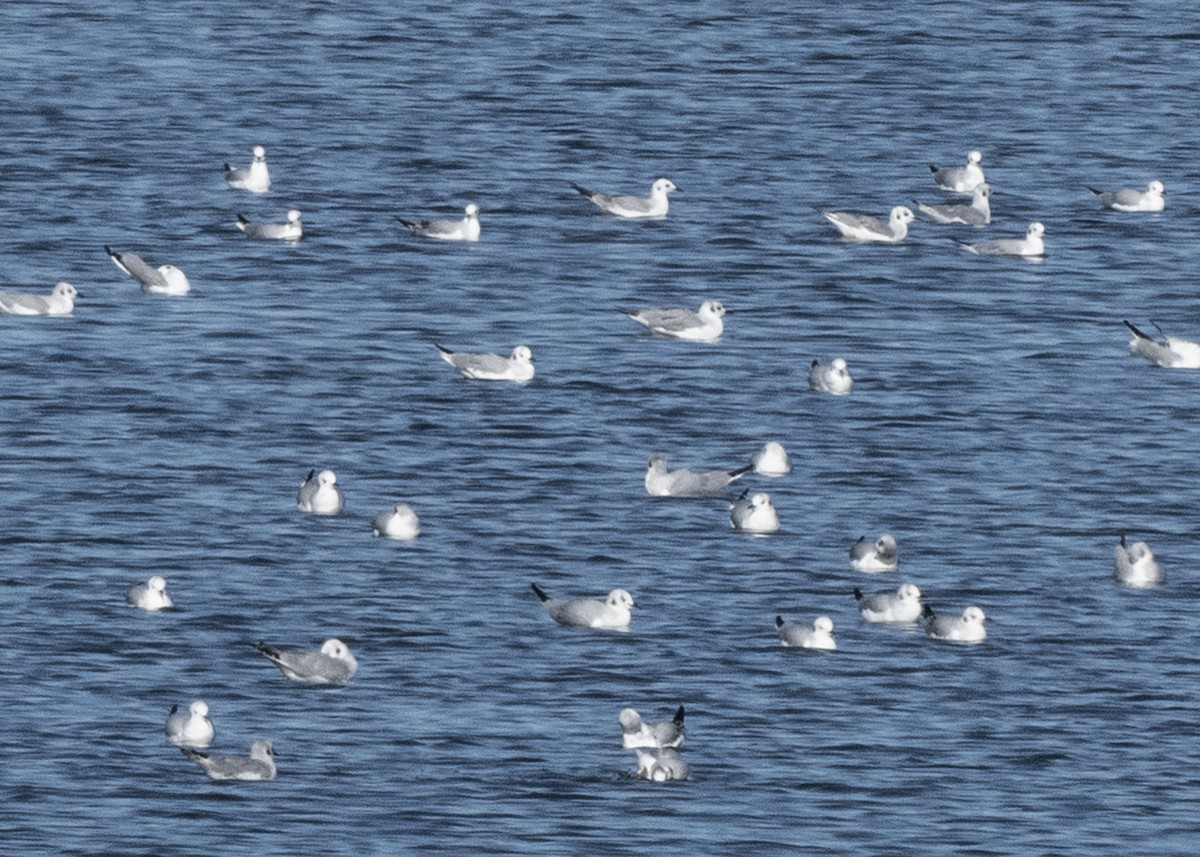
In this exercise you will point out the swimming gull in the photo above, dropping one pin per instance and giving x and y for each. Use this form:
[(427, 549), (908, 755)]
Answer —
[(833, 377), (661, 482), (967, 628), (492, 367), (771, 460), (256, 178), (653, 207), (60, 301), (874, 557), (1032, 245), (636, 732), (1170, 353), (864, 227), (755, 514), (1132, 199), (962, 179), (1136, 567), (190, 729), (899, 607), (612, 614), (319, 494), (817, 636), (466, 229), (163, 280), (661, 765), (399, 522), (704, 325), (260, 765), (977, 213), (150, 596), (292, 230), (333, 664)]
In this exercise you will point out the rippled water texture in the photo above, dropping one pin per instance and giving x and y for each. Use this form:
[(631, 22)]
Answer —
[(998, 426)]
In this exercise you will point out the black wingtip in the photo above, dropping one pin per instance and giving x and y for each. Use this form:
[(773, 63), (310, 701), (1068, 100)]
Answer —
[(311, 474), (537, 590), (678, 718), (1097, 192), (926, 611), (1122, 545), (581, 189), (858, 596), (933, 168), (778, 621), (241, 218), (739, 471), (111, 252), (1139, 334)]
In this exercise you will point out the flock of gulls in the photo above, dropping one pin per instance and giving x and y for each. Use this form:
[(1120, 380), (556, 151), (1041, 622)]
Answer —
[(656, 744)]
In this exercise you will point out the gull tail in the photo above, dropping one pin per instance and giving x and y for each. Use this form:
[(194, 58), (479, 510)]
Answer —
[(537, 590)]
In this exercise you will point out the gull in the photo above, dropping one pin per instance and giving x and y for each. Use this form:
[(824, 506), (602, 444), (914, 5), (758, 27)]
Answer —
[(772, 460), (661, 765), (192, 729), (833, 377), (819, 636), (653, 207), (704, 325), (399, 522), (1171, 353), (333, 664), (1031, 245), (754, 515), (636, 732), (492, 367), (880, 556), (255, 178), (150, 596), (967, 628), (978, 213), (290, 231), (258, 767), (960, 179), (319, 494), (899, 607), (612, 614), (1132, 199), (1135, 566), (864, 227), (466, 229), (661, 482), (163, 280), (60, 301)]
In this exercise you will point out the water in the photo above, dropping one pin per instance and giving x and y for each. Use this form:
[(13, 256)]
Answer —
[(998, 427)]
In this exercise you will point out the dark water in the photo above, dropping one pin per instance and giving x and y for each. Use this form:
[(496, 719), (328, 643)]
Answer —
[(998, 426)]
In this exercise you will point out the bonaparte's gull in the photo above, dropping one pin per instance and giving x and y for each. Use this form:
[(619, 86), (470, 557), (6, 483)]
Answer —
[(1132, 199), (293, 230), (636, 732), (899, 607), (978, 213), (704, 325), (612, 614), (1033, 244), (880, 555), (833, 377), (661, 765), (818, 636), (967, 628), (1135, 566), (60, 301), (163, 280), (399, 522), (190, 729), (653, 207), (258, 767), (661, 482), (864, 227), (772, 460), (333, 664), (754, 514), (1170, 353), (319, 494), (256, 178), (466, 229), (962, 179), (492, 367), (150, 596)]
